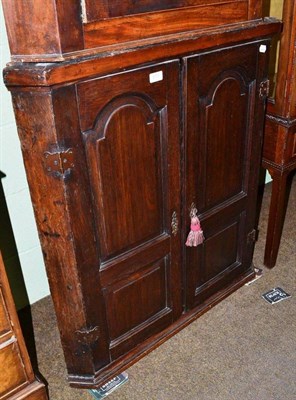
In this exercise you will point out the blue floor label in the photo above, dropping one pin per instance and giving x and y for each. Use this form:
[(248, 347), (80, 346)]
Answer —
[(110, 386), (275, 295)]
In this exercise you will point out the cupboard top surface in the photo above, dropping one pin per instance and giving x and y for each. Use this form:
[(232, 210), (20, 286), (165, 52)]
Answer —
[(118, 58)]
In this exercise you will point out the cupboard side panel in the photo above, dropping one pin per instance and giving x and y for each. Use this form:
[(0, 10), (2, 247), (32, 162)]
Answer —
[(81, 220), (37, 131)]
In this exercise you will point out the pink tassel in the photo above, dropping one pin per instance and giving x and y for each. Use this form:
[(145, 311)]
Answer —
[(195, 236)]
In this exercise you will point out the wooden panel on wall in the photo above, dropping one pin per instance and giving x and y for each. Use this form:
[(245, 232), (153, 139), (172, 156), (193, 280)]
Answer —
[(118, 30), (101, 10)]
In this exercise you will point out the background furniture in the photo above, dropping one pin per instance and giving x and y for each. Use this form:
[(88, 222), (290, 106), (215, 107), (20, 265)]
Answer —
[(51, 30), (143, 113), (17, 379), (279, 150)]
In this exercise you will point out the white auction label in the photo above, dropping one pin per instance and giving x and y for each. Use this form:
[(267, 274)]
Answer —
[(156, 76), (262, 48)]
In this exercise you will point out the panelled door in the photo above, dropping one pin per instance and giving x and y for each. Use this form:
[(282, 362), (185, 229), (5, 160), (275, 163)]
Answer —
[(220, 142), (130, 128)]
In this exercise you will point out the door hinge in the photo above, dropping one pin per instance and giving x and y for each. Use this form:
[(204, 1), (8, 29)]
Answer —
[(264, 89), (251, 238), (59, 163), (87, 339), (88, 335)]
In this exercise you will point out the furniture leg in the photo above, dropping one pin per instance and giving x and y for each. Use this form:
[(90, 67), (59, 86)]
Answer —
[(276, 216)]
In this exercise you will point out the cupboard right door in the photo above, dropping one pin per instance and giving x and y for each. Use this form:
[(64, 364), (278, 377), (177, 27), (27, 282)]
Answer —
[(222, 150)]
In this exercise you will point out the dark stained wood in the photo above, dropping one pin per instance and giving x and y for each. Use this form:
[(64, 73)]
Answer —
[(279, 156), (81, 239), (276, 219), (127, 131), (39, 135), (105, 148), (118, 30), (17, 379), (109, 9), (255, 9), (46, 28), (220, 145)]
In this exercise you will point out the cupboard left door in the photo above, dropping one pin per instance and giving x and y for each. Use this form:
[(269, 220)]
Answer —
[(130, 131), (102, 158)]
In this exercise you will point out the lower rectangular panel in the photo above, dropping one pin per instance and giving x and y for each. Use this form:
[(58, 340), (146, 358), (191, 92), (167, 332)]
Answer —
[(154, 325), (220, 252), (137, 307), (214, 264), (235, 271)]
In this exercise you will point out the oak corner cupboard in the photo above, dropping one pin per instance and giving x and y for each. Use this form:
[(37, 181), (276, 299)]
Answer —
[(135, 120)]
